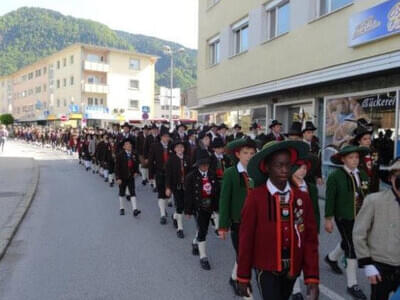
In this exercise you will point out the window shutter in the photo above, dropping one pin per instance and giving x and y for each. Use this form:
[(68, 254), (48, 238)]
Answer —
[(313, 10)]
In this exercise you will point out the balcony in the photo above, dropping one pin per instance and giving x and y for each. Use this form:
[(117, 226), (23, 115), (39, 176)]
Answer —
[(95, 88), (96, 66)]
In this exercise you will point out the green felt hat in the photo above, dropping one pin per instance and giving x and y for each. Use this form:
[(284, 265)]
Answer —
[(337, 158), (245, 141), (256, 167)]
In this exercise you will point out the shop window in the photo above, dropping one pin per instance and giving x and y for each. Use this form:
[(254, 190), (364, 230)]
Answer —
[(90, 101), (96, 101), (240, 36), (341, 118)]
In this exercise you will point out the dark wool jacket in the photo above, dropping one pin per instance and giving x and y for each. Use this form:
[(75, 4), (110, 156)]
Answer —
[(121, 166), (194, 188)]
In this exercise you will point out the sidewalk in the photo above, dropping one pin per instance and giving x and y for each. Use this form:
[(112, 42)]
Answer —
[(18, 182)]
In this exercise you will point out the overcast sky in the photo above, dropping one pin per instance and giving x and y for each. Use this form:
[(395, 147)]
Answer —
[(174, 20)]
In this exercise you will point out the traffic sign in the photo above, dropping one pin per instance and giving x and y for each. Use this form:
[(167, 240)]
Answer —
[(145, 116), (145, 109)]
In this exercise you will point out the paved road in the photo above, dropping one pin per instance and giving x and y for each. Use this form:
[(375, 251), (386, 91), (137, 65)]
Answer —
[(74, 245)]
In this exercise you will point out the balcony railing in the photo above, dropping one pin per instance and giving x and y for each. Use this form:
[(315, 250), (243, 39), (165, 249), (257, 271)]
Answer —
[(95, 66), (95, 88)]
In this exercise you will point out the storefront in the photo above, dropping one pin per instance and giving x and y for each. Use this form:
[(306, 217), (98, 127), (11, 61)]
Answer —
[(380, 107)]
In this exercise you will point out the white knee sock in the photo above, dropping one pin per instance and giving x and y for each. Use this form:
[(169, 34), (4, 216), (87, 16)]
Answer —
[(134, 204), (101, 171), (145, 173), (127, 193), (169, 201), (86, 164), (162, 206), (296, 288), (195, 239), (110, 177), (106, 174), (202, 249), (216, 220), (179, 219), (351, 272), (336, 253), (234, 271), (121, 203)]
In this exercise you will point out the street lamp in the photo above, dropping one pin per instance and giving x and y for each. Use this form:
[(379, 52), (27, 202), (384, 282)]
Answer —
[(170, 52)]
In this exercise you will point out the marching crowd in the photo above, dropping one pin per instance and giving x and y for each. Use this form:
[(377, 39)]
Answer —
[(262, 190)]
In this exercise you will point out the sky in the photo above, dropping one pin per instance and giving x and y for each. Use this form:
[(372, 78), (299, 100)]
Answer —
[(173, 20)]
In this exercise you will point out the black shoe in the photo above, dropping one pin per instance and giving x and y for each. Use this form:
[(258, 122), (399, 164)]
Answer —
[(174, 222), (356, 292), (87, 169), (169, 204), (136, 212), (111, 183), (297, 296), (163, 220), (122, 212), (334, 265), (155, 190), (144, 182), (205, 264), (180, 234), (105, 180), (195, 249), (128, 198), (152, 185), (233, 284), (216, 232)]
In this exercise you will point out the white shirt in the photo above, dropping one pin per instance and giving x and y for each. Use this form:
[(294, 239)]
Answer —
[(219, 156), (303, 187), (204, 174), (355, 172), (241, 168), (273, 189)]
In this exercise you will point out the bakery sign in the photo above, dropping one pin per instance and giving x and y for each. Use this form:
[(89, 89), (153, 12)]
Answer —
[(385, 103), (375, 23)]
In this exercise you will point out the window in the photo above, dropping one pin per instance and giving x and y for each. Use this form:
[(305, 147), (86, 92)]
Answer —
[(71, 80), (30, 92), (134, 84), (58, 102), (214, 51), (58, 83), (328, 6), (92, 79), (65, 82), (64, 62), (134, 64), (58, 64), (71, 60), (101, 101), (93, 58), (30, 76), (44, 70), (240, 36), (134, 104), (96, 101), (65, 102), (278, 14), (90, 101), (38, 89), (38, 73), (44, 87)]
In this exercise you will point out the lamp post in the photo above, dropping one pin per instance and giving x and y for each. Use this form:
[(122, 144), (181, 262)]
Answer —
[(170, 52)]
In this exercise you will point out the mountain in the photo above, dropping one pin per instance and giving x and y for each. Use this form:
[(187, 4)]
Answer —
[(28, 34)]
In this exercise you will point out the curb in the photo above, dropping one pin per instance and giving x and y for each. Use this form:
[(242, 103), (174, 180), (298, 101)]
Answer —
[(10, 229)]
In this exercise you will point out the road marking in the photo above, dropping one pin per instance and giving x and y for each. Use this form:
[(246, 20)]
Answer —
[(329, 293)]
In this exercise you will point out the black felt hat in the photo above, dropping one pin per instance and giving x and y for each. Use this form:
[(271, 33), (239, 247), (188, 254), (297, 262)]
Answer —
[(274, 123), (203, 157), (217, 143)]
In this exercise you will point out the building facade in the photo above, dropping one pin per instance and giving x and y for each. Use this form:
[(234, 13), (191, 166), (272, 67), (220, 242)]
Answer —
[(162, 103), (81, 85), (327, 61)]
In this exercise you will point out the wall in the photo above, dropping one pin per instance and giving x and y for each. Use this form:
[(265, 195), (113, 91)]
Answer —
[(118, 80), (310, 45)]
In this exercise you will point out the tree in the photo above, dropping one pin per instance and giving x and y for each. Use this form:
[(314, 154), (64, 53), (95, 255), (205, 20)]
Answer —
[(6, 119)]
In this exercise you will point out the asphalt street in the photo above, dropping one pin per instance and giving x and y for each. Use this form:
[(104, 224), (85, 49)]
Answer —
[(74, 245)]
